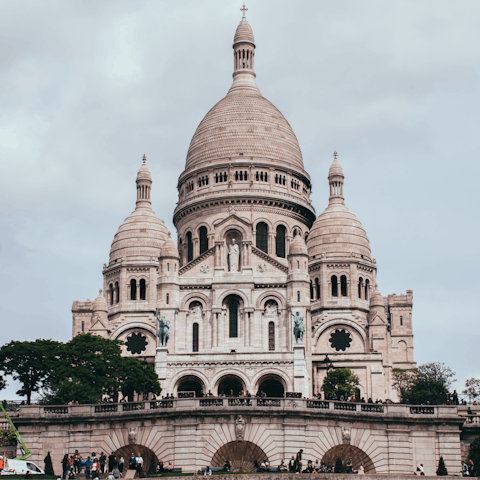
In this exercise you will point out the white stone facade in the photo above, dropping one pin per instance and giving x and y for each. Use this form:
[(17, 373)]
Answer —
[(230, 307)]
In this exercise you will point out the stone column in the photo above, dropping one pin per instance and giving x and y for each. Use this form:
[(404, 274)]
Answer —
[(300, 380), (271, 244), (161, 365)]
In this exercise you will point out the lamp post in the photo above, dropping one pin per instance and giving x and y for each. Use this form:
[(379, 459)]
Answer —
[(328, 366), (145, 365)]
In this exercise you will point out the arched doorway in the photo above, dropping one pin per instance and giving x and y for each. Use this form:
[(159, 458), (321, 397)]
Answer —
[(230, 383), (347, 452), (150, 460), (272, 386), (191, 383), (242, 455)]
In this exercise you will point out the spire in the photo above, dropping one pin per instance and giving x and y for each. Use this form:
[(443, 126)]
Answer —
[(244, 55), (144, 184), (335, 179)]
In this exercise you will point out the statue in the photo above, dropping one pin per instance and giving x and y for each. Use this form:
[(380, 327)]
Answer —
[(271, 309), (239, 428), (163, 330), (132, 436), (299, 328), (233, 256), (346, 436)]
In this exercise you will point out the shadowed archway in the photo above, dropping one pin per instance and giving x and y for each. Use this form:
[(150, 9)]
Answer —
[(242, 455), (347, 452), (150, 460)]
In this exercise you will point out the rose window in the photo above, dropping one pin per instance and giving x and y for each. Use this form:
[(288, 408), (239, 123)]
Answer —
[(136, 343), (340, 340)]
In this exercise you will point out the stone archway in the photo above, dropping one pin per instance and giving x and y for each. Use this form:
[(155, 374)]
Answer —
[(230, 383), (242, 455), (272, 385), (150, 460), (191, 383), (347, 452)]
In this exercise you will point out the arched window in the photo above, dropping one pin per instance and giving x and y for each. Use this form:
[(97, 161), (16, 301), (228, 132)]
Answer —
[(111, 293), (133, 289), (334, 286), (262, 237), (298, 296), (143, 289), (117, 292), (83, 326), (343, 285), (280, 242), (233, 319), (189, 247), (202, 233), (317, 288), (271, 336), (295, 233), (311, 290), (360, 284), (168, 299), (367, 284), (195, 337), (401, 321)]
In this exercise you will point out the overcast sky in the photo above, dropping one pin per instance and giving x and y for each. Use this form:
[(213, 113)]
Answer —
[(87, 87)]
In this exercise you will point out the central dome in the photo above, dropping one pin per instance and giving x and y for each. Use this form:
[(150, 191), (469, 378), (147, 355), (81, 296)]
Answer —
[(244, 123)]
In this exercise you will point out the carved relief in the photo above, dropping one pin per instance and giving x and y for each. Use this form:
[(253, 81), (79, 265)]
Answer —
[(132, 436), (239, 428), (204, 269), (271, 309), (262, 267), (346, 436)]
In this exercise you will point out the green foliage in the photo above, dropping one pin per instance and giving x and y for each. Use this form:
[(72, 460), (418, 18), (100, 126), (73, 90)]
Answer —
[(474, 453), (31, 363), (341, 381), (6, 436), (48, 465), (442, 469), (472, 388), (339, 467), (429, 383), (92, 366), (3, 383)]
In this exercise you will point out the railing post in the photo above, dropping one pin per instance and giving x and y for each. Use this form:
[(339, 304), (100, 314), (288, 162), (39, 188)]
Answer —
[(331, 405)]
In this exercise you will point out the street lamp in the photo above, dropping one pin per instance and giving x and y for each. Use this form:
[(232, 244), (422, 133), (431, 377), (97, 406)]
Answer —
[(145, 365), (328, 366)]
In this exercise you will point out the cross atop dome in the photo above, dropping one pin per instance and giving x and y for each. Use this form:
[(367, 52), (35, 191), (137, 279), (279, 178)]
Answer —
[(144, 158), (335, 154), (243, 10)]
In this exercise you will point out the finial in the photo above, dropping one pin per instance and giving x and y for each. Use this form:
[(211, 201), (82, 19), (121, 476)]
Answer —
[(144, 158), (169, 234), (100, 292), (335, 154), (243, 9)]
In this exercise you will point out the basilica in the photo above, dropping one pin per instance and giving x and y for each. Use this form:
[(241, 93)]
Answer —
[(251, 261)]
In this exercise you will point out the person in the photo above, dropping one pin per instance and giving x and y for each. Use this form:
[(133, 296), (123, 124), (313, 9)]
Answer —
[(131, 462), (349, 466), (94, 468), (291, 465), (116, 473), (110, 476), (102, 460), (168, 467), (139, 462), (420, 470), (298, 461), (282, 467), (471, 468), (160, 467), (309, 468), (76, 461), (208, 470), (316, 465), (227, 467), (465, 472), (88, 464), (361, 470), (112, 460), (121, 463), (2, 465), (65, 466)]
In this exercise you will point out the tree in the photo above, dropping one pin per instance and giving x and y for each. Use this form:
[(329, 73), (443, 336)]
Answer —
[(340, 381), (442, 469), (92, 366), (30, 363), (3, 383), (473, 388), (429, 383), (7, 436)]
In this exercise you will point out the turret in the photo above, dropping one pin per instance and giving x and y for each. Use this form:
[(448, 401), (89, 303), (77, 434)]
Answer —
[(99, 322)]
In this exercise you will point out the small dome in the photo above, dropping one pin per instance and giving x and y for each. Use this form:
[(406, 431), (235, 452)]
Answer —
[(144, 172), (338, 233), (100, 304), (244, 33), (169, 248), (376, 300), (140, 237), (298, 247), (335, 169)]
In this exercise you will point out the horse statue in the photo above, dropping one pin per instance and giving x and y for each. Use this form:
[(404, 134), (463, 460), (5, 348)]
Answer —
[(163, 330), (299, 328)]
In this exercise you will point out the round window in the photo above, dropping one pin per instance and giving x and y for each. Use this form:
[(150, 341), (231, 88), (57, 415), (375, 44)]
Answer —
[(136, 343), (340, 340)]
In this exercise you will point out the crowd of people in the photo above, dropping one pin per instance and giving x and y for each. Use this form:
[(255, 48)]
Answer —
[(95, 465)]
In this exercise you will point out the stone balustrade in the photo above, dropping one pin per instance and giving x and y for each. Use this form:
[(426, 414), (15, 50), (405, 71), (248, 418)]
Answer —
[(208, 404)]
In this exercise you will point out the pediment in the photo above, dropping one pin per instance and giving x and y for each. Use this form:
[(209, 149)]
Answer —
[(378, 321), (97, 324), (230, 218)]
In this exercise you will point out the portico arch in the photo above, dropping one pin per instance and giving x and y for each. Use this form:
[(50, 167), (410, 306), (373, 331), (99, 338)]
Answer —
[(272, 385), (347, 452), (242, 455), (190, 383), (150, 460), (230, 382)]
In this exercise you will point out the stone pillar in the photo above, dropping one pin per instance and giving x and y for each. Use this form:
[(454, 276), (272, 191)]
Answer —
[(271, 244), (300, 374), (196, 247), (161, 366)]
